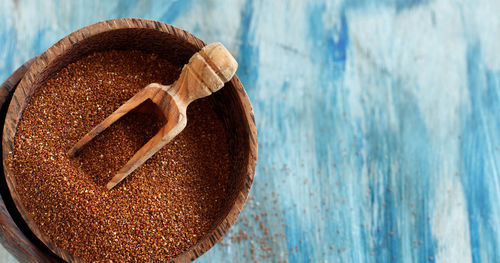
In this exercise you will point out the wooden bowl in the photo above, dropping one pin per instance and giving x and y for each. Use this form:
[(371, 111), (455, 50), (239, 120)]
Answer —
[(177, 46)]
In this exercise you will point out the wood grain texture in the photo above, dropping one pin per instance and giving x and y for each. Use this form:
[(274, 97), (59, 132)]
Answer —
[(378, 120)]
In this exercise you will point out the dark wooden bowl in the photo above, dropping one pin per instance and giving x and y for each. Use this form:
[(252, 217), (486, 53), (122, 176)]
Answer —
[(177, 46)]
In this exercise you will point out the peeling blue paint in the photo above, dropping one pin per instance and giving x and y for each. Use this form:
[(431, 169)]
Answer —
[(376, 144)]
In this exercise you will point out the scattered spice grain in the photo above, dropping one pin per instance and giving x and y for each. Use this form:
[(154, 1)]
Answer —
[(156, 213)]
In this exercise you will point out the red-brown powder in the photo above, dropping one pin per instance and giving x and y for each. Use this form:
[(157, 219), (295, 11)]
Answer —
[(161, 209)]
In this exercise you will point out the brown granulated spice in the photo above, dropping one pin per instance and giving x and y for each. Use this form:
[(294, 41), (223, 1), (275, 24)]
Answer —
[(157, 212)]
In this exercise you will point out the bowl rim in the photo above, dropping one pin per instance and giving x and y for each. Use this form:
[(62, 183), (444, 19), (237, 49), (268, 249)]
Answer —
[(21, 98)]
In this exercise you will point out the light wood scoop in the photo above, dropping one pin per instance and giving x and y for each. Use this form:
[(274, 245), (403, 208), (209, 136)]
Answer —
[(205, 73)]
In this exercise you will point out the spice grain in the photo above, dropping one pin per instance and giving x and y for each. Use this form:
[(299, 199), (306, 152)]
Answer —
[(156, 213)]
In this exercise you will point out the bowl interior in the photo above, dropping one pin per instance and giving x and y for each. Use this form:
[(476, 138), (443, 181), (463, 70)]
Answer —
[(177, 47)]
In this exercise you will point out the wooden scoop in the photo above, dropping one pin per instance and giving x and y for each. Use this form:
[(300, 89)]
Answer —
[(205, 73)]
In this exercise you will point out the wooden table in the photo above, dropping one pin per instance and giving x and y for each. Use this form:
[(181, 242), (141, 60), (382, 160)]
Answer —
[(378, 139)]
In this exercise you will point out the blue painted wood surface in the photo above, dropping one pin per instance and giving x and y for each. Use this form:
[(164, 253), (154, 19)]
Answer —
[(378, 120)]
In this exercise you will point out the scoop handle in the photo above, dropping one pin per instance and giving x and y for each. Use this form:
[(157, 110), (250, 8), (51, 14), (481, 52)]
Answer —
[(205, 73)]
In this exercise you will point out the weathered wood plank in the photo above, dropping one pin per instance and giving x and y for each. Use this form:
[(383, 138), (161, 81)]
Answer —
[(377, 120)]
